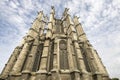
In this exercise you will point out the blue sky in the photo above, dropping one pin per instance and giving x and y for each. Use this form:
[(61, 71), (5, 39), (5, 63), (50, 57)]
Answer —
[(100, 20)]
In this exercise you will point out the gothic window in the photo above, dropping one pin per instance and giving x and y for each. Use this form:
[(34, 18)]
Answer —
[(63, 55), (85, 59), (59, 27), (37, 58), (74, 56), (51, 55), (25, 62)]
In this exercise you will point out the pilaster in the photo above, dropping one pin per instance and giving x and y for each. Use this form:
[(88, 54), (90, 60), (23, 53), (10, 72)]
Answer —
[(21, 58), (37, 24), (10, 63), (55, 71), (42, 72), (80, 32), (30, 60), (70, 54)]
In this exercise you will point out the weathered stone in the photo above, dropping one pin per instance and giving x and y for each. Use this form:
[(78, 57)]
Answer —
[(57, 49)]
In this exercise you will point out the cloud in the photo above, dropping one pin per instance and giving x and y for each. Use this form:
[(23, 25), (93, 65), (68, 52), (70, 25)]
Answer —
[(99, 18)]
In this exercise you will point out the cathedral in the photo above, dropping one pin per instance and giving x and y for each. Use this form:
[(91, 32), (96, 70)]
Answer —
[(55, 49)]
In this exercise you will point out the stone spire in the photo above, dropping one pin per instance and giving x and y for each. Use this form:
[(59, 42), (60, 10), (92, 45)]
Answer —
[(55, 49)]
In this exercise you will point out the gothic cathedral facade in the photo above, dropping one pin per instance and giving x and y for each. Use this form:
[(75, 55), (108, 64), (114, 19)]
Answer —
[(55, 49)]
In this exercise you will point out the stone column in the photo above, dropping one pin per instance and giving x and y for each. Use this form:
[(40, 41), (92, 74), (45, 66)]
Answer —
[(34, 30), (48, 37), (50, 24), (73, 64), (82, 37), (80, 64), (98, 62), (55, 61), (90, 57), (80, 32), (55, 71), (10, 63), (42, 27), (43, 63), (72, 34), (70, 54), (20, 60), (44, 58), (97, 75), (30, 60), (101, 67), (39, 27)]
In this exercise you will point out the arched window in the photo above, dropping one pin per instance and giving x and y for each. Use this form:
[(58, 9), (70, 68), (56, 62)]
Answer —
[(63, 55), (37, 58), (59, 27), (85, 59)]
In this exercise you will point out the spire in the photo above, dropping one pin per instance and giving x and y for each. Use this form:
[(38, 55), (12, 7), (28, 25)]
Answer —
[(52, 9), (80, 32), (34, 30), (40, 14), (52, 13), (65, 11), (50, 23)]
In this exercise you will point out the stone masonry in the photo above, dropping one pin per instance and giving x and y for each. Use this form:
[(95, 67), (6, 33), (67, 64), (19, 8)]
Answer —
[(55, 49)]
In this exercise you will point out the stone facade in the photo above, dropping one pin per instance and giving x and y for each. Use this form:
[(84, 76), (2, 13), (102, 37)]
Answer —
[(55, 49)]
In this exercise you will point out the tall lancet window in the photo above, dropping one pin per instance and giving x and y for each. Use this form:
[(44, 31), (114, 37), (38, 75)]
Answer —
[(63, 55), (37, 58), (59, 26)]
